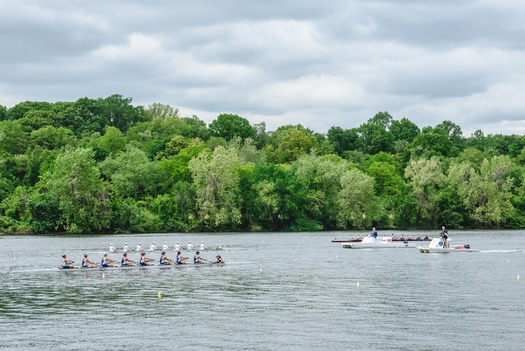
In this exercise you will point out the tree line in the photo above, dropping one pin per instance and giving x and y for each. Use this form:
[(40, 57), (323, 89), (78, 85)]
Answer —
[(105, 165)]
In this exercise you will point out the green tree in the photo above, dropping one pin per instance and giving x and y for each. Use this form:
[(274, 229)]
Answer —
[(357, 205), (216, 185), (229, 126), (74, 184), (288, 143)]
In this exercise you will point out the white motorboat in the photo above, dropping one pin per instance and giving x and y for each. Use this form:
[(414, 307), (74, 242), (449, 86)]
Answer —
[(437, 246), (384, 242)]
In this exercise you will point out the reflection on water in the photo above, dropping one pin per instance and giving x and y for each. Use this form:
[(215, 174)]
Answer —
[(277, 292)]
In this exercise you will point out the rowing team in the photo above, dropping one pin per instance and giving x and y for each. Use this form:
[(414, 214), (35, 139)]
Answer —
[(165, 247), (143, 261)]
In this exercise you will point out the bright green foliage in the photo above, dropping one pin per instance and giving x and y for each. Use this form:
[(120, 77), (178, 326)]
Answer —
[(229, 126), (425, 179), (132, 174), (52, 138), (74, 184), (287, 144), (217, 188), (13, 139), (357, 205), (487, 192)]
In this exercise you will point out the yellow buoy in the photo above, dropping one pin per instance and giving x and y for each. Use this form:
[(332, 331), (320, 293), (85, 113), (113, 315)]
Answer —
[(159, 294), (260, 269), (358, 284), (518, 277)]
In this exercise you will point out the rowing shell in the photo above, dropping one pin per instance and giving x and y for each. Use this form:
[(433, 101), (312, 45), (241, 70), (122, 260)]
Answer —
[(123, 268)]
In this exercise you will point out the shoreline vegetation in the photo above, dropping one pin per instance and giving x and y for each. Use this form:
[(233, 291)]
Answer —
[(107, 166)]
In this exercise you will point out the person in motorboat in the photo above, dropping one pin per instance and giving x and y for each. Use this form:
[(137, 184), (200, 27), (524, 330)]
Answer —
[(165, 247), (125, 248), (444, 237), (67, 263), (203, 246), (164, 260), (197, 259), (178, 247), (190, 246), (374, 233), (181, 259), (144, 260), (125, 261), (86, 263), (106, 261), (112, 248), (218, 259), (153, 247), (139, 247)]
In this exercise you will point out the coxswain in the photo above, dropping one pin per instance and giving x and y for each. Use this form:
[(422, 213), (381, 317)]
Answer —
[(106, 261), (190, 246), (125, 261), (374, 233), (139, 247), (125, 248), (164, 260), (181, 259), (67, 263), (144, 261), (165, 247), (153, 247), (86, 263), (112, 248), (197, 259), (219, 259)]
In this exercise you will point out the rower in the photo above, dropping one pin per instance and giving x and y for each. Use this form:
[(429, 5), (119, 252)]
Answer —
[(181, 259), (112, 248), (165, 247), (164, 260), (67, 263), (153, 247), (139, 247), (219, 259), (125, 261), (178, 247), (106, 261), (125, 248), (190, 246), (203, 247), (197, 259), (144, 260), (86, 263)]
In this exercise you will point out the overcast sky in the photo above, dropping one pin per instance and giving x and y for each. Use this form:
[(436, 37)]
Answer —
[(316, 63)]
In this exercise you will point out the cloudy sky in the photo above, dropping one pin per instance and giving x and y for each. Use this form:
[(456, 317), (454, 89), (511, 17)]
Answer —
[(317, 63)]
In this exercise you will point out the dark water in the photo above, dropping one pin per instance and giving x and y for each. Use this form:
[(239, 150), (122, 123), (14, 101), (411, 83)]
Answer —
[(277, 292)]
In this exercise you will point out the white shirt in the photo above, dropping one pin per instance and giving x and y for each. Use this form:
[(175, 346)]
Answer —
[(177, 247), (165, 247), (139, 248), (190, 246), (203, 247), (126, 248), (153, 247), (112, 248)]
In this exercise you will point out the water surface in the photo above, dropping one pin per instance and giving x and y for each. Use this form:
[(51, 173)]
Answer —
[(276, 292)]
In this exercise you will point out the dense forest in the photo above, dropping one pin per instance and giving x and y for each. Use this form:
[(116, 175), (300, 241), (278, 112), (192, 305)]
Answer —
[(106, 165)]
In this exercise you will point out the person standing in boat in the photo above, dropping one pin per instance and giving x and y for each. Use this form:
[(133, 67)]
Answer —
[(444, 236), (374, 233)]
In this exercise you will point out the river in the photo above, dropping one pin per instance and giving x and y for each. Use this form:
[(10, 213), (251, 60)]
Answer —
[(277, 291)]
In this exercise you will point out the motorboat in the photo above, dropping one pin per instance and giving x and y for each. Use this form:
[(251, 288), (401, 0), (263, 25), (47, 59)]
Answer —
[(437, 246), (384, 242)]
